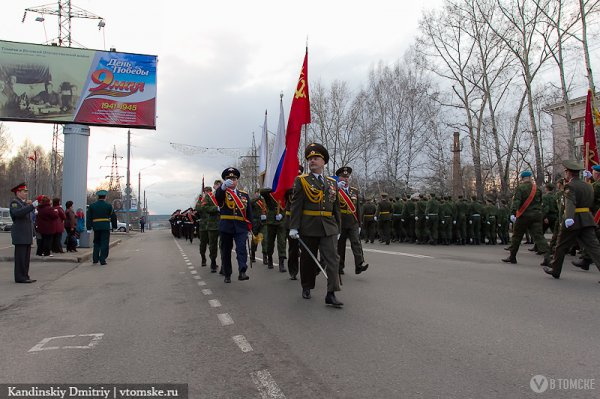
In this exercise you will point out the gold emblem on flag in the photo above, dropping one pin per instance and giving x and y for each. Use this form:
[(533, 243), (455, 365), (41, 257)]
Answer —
[(301, 92)]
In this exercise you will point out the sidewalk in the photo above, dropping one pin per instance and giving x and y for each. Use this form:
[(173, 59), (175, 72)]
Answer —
[(82, 254)]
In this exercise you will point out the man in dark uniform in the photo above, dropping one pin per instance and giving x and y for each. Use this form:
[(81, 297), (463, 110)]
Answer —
[(432, 217), (384, 217), (22, 232), (235, 224), (526, 214), (351, 215), (259, 230), (293, 245), (316, 219), (579, 224), (98, 219), (585, 260)]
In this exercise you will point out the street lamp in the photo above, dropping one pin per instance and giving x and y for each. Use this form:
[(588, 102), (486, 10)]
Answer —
[(140, 189)]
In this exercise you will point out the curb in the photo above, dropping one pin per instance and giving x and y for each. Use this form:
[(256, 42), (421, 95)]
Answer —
[(84, 257)]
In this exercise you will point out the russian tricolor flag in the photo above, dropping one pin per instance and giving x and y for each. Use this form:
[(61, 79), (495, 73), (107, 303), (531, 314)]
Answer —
[(287, 164)]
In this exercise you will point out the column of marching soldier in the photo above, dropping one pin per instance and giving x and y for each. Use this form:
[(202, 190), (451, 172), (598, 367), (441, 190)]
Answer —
[(329, 211)]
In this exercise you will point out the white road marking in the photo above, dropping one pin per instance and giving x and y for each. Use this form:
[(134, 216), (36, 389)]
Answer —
[(396, 253), (207, 291), (214, 303), (194, 271), (188, 263), (201, 283), (225, 319), (6, 247), (242, 343), (95, 339), (190, 267), (197, 277), (266, 385)]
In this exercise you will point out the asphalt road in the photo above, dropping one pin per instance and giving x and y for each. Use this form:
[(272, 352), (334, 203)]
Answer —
[(422, 322)]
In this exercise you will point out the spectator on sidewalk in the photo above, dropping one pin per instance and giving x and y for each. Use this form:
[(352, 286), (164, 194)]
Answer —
[(46, 223), (59, 227), (70, 225)]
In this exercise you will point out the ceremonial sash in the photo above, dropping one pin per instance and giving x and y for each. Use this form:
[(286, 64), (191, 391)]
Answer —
[(262, 206), (527, 202), (213, 199), (349, 203), (240, 205), (597, 217)]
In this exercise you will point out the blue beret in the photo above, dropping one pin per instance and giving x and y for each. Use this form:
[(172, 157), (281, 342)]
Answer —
[(596, 168), (526, 173)]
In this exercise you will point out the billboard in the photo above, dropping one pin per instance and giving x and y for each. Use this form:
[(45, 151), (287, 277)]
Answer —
[(71, 85)]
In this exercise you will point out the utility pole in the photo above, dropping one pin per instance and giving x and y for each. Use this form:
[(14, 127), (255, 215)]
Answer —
[(128, 184)]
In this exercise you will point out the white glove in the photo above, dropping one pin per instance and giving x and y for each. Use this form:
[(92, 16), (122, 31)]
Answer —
[(488, 222), (426, 217), (443, 222), (263, 217), (454, 222), (586, 174), (250, 235), (89, 231), (513, 218), (470, 222), (294, 234), (338, 237), (35, 203), (375, 218), (342, 185), (359, 230), (416, 218), (569, 222), (278, 217), (226, 184), (402, 220)]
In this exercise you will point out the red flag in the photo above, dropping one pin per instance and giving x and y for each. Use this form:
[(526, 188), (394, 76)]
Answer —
[(299, 115), (590, 150)]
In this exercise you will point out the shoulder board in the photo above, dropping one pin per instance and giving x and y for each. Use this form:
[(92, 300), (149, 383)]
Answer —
[(303, 175), (242, 191), (330, 178)]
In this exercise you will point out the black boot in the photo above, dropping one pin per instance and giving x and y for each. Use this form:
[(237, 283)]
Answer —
[(330, 299), (510, 259), (282, 265), (213, 265), (203, 260), (546, 261), (243, 276), (583, 263), (361, 268), (270, 262), (265, 259)]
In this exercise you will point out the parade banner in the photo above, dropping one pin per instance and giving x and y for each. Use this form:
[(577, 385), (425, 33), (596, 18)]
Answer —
[(51, 84)]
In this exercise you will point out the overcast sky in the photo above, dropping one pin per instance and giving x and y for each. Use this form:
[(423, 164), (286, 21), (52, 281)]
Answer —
[(220, 66)]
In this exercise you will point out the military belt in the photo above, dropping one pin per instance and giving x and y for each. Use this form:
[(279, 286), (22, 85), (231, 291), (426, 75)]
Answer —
[(288, 213), (370, 215), (232, 217), (384, 213), (101, 220), (581, 210), (346, 211), (317, 213)]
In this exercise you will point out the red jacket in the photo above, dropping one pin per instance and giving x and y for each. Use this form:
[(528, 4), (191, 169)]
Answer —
[(59, 224), (46, 218)]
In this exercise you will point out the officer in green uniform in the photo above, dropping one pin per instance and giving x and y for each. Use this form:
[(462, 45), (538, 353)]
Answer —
[(201, 224), (369, 223), (550, 208), (579, 224), (316, 219), (397, 208), (462, 217), (585, 260), (293, 245), (420, 225), (98, 219), (446, 218), (526, 213), (350, 213), (491, 222), (210, 234), (560, 204), (259, 214), (475, 221), (384, 217), (275, 230), (432, 217), (502, 221), (408, 214)]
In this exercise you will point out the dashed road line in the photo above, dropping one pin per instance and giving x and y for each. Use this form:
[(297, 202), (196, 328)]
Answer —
[(190, 267), (201, 283), (207, 291), (197, 277), (214, 303), (242, 343), (397, 253), (267, 387), (225, 319)]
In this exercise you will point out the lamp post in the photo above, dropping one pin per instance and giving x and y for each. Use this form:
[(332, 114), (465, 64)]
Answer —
[(139, 204)]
